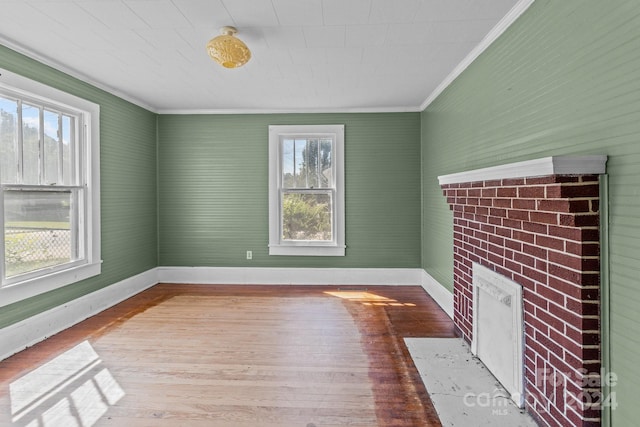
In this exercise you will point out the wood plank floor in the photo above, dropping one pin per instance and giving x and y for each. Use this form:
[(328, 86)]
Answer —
[(232, 356)]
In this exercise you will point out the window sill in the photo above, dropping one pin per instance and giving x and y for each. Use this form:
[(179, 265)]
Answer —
[(29, 288), (307, 250)]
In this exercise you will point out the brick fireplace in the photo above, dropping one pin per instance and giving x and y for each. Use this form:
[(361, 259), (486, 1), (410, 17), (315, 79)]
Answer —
[(537, 224)]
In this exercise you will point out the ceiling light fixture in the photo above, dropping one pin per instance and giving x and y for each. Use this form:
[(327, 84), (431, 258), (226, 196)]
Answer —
[(227, 50)]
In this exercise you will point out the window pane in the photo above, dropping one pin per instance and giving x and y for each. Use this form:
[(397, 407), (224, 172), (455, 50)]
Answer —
[(288, 174), (38, 231), (306, 163), (300, 172), (51, 148), (30, 144), (8, 141), (306, 216), (68, 147), (326, 178)]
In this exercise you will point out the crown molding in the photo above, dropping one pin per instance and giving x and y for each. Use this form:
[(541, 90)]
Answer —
[(17, 47)]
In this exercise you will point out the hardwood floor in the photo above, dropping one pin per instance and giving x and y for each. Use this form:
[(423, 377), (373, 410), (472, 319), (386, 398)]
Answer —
[(232, 356)]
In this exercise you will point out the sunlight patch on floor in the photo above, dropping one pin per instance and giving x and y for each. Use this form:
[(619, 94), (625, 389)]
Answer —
[(74, 389), (368, 298)]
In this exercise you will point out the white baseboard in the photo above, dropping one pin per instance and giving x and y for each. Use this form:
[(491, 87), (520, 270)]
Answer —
[(17, 337), (439, 293), (289, 276)]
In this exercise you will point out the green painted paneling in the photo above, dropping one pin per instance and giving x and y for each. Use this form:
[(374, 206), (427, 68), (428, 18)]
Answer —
[(128, 187), (564, 79), (213, 190)]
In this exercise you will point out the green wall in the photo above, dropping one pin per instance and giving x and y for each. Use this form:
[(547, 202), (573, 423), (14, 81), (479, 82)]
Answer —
[(128, 187), (564, 79), (213, 190)]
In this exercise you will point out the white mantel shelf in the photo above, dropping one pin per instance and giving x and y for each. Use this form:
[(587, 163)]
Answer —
[(555, 165)]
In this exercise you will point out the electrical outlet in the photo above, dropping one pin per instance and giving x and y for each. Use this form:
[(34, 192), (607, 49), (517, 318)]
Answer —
[(249, 255)]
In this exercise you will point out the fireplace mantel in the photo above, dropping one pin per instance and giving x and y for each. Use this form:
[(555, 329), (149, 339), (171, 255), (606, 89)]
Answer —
[(537, 223), (555, 165)]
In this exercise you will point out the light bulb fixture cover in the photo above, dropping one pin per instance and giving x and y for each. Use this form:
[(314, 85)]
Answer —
[(228, 50)]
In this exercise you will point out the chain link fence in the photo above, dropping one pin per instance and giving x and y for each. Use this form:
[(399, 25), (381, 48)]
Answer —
[(30, 248)]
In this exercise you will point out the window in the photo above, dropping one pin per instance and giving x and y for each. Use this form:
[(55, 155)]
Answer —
[(49, 188), (306, 190)]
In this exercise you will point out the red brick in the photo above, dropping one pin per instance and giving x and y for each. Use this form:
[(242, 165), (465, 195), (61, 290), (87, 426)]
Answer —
[(469, 209), (550, 242), (586, 220), (524, 204), (535, 251), (496, 240), (590, 264), (581, 190), (506, 182), (481, 217), (553, 191), (553, 205), (495, 259), (525, 259), (534, 227), (505, 232), (511, 223), (544, 217), (474, 192), (551, 294), (498, 212), (486, 202), (495, 220), (502, 203), (550, 345), (565, 274), (570, 261), (512, 244), (568, 178), (531, 192), (510, 192), (493, 183), (542, 266), (570, 289), (496, 249), (580, 206), (527, 284), (570, 233), (512, 265), (488, 192), (535, 275), (518, 214), (473, 200), (538, 180), (522, 236), (595, 205), (477, 184), (536, 300), (461, 192)]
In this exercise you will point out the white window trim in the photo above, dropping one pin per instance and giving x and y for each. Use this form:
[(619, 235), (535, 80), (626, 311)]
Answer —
[(91, 117), (276, 245)]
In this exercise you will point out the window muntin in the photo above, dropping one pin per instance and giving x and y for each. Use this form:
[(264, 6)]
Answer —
[(49, 188), (306, 190)]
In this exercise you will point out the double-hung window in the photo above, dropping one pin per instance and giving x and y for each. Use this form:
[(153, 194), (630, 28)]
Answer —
[(49, 183), (306, 190)]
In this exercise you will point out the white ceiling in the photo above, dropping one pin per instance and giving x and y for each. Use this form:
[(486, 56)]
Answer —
[(308, 55)]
